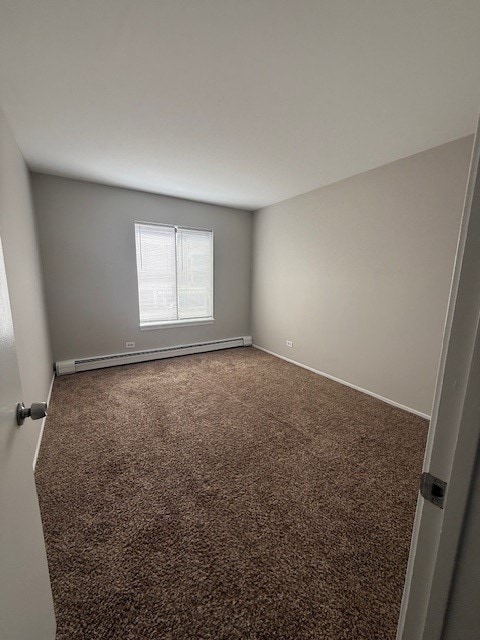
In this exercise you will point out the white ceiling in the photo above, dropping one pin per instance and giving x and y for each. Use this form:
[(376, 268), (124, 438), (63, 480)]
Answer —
[(238, 102)]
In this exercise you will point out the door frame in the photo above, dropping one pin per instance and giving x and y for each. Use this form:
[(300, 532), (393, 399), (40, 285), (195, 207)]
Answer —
[(453, 436)]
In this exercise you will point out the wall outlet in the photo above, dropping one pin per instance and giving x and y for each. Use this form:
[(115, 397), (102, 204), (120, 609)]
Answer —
[(129, 345), (289, 343)]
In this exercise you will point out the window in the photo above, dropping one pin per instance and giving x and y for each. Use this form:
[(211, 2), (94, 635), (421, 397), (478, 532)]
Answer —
[(175, 274)]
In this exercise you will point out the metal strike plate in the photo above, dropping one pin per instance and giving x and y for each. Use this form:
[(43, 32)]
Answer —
[(433, 489)]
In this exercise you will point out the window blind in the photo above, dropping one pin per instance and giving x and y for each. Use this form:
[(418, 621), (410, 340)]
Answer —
[(194, 274), (175, 273)]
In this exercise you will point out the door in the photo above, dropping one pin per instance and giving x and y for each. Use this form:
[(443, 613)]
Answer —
[(453, 439), (26, 605)]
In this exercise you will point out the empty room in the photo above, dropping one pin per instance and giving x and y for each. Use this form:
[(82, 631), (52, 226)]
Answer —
[(239, 336)]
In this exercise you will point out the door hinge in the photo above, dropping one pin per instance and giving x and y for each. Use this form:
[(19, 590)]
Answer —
[(433, 489)]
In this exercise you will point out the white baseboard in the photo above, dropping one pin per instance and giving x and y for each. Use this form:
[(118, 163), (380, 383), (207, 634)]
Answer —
[(40, 436), (347, 384)]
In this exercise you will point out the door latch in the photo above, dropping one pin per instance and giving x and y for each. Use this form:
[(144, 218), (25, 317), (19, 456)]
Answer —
[(433, 489)]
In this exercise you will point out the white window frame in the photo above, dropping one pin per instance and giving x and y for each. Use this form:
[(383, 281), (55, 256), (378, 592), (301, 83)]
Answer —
[(184, 322)]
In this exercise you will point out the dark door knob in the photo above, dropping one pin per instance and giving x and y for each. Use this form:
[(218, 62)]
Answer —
[(35, 412)]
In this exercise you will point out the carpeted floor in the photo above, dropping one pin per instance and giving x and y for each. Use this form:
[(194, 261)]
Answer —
[(226, 496)]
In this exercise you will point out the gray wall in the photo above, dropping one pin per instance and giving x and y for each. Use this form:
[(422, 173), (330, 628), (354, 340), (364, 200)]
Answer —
[(24, 275), (357, 274), (88, 253)]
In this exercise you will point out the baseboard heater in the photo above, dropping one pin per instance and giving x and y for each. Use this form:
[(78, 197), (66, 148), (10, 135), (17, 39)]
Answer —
[(115, 359)]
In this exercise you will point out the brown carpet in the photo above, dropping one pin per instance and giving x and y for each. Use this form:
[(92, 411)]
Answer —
[(226, 496)]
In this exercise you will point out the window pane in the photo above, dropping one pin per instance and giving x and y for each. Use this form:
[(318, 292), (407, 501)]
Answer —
[(157, 294), (194, 273)]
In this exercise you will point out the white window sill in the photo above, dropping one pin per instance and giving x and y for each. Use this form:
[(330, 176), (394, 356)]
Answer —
[(147, 326)]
